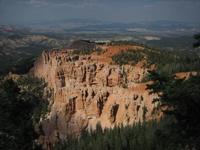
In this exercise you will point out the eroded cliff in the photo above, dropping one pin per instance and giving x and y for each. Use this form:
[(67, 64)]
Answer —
[(91, 89)]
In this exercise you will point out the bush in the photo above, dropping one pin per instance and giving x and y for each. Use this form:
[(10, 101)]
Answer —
[(128, 57), (86, 51), (166, 62)]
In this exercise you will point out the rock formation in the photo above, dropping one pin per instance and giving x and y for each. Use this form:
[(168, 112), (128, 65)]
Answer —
[(91, 89)]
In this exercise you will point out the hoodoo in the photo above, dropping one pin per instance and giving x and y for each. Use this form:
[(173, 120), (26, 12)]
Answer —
[(92, 89)]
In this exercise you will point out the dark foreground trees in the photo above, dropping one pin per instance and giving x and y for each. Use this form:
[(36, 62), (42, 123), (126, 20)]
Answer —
[(181, 100), (141, 136), (21, 106)]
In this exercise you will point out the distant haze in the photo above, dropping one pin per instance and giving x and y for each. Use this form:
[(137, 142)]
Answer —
[(31, 11)]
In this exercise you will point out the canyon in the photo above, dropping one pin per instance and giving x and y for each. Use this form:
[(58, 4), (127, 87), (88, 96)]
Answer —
[(92, 89)]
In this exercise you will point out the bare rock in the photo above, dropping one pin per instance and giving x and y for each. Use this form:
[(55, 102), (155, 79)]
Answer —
[(88, 89)]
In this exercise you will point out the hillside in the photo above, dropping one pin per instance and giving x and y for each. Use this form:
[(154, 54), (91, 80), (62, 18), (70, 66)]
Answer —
[(21, 49), (91, 89), (105, 84)]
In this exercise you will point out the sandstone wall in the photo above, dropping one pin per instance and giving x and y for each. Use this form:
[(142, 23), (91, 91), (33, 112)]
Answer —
[(88, 91)]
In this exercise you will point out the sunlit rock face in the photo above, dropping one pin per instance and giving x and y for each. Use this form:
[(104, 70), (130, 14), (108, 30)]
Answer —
[(90, 89)]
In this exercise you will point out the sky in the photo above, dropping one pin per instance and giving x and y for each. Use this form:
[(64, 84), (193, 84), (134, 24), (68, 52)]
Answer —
[(124, 11)]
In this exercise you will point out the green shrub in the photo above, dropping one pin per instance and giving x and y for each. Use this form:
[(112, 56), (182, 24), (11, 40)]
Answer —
[(86, 51), (128, 57)]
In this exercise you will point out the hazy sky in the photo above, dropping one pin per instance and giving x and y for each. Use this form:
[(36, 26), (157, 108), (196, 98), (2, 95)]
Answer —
[(27, 11)]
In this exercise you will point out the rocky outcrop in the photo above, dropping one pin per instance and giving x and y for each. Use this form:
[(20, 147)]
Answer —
[(88, 91), (113, 112)]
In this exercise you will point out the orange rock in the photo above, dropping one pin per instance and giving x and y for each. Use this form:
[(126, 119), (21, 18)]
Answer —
[(88, 89)]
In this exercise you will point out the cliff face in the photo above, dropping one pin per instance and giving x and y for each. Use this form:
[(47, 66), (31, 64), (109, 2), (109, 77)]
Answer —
[(91, 89)]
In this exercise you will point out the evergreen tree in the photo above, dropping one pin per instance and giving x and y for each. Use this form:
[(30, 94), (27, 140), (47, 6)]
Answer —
[(18, 114), (181, 100), (197, 38)]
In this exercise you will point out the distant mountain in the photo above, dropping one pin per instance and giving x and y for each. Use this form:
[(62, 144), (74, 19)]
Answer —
[(160, 27), (157, 27)]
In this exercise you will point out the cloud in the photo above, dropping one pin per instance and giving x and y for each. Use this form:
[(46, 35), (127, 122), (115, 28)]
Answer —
[(92, 1), (84, 3), (40, 3), (108, 10)]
